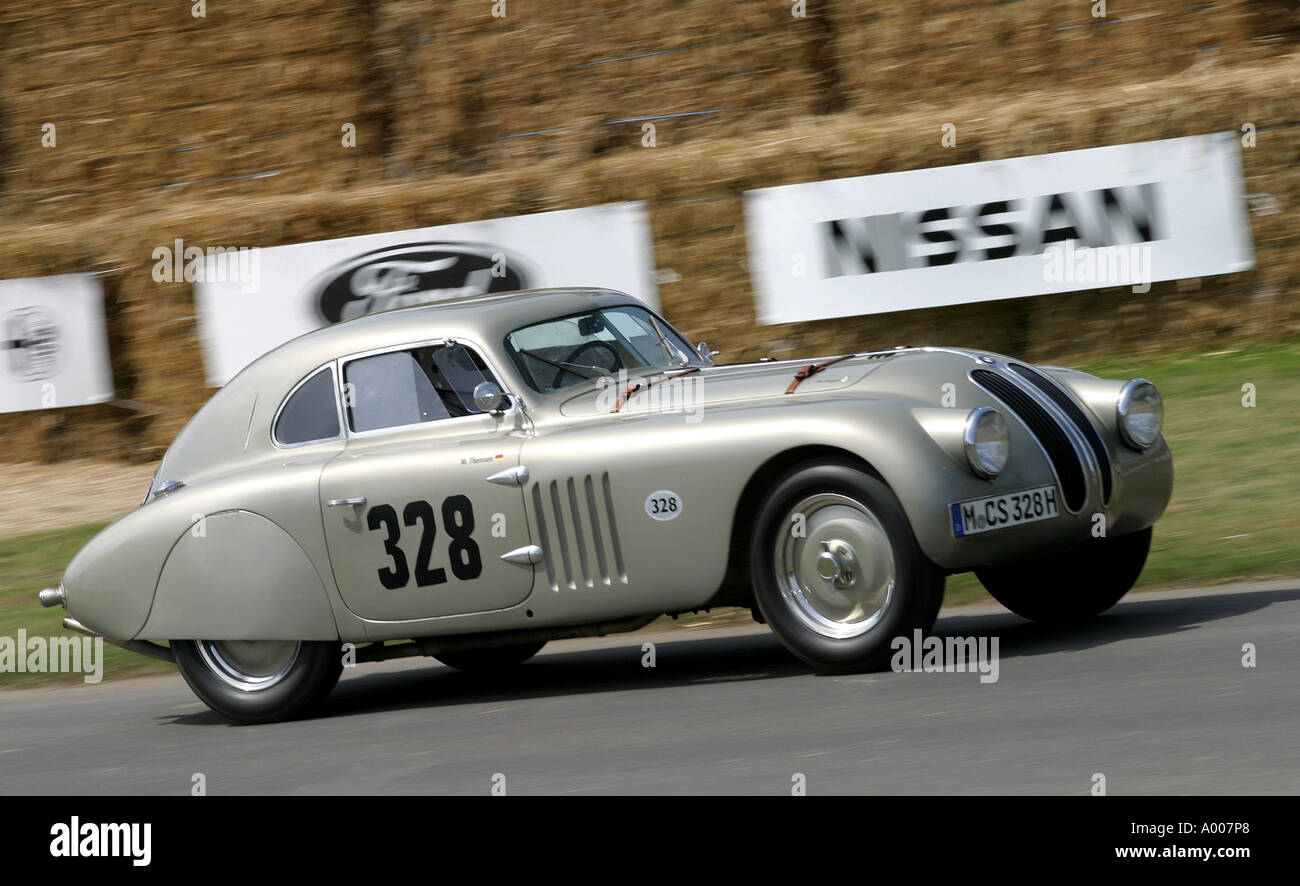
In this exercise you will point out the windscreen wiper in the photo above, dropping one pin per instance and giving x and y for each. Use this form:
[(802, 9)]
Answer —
[(668, 348)]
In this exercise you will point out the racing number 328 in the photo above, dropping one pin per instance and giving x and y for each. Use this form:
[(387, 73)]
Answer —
[(462, 553)]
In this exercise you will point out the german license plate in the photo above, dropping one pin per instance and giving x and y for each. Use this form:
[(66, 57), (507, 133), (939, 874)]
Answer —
[(1000, 511)]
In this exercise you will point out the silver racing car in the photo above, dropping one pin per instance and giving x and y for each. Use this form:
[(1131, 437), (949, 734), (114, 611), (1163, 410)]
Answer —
[(470, 479)]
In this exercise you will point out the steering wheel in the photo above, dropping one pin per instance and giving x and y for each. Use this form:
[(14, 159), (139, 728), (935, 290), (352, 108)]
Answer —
[(578, 352)]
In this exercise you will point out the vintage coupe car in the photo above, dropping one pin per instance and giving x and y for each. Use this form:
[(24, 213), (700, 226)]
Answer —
[(473, 478)]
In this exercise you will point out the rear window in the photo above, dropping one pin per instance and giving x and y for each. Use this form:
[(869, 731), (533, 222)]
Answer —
[(310, 414)]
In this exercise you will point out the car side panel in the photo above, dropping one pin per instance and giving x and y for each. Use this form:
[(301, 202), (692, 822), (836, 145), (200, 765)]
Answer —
[(431, 468), (238, 576), (590, 478), (283, 488), (110, 582), (586, 499)]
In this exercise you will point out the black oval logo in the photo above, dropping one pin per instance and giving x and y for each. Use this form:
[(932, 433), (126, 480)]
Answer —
[(413, 274)]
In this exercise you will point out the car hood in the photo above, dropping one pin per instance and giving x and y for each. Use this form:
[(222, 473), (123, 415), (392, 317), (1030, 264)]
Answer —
[(731, 383)]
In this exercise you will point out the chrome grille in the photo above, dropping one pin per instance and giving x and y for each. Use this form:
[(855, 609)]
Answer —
[(1076, 415), (1060, 452)]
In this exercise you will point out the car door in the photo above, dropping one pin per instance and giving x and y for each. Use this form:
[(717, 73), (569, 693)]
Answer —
[(422, 508)]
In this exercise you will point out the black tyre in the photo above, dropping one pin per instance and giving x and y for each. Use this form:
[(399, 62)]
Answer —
[(836, 569), (1072, 586), (491, 658), (259, 681)]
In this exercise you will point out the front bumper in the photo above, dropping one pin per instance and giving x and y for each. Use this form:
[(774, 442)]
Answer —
[(140, 647), (51, 597), (1142, 486)]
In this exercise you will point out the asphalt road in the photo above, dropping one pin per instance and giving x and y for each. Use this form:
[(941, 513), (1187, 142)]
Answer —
[(1152, 694)]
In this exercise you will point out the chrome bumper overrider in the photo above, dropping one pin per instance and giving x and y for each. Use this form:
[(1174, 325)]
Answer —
[(140, 647)]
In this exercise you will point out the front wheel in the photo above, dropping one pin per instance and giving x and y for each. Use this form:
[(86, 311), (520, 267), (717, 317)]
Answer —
[(837, 570), (259, 681), (1070, 586)]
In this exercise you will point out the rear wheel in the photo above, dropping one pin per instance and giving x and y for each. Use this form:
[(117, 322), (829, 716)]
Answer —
[(1070, 586), (837, 570), (490, 658), (259, 681)]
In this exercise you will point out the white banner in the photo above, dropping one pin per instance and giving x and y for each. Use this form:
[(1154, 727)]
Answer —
[(53, 343), (249, 304), (1116, 216)]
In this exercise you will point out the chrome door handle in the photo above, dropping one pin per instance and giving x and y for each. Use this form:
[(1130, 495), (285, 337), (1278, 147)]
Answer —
[(346, 503)]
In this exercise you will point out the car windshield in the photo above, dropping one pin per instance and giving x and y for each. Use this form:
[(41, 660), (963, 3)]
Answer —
[(556, 354)]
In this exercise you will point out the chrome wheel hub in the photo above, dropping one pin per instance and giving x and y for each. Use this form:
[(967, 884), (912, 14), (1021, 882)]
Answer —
[(249, 665), (835, 566)]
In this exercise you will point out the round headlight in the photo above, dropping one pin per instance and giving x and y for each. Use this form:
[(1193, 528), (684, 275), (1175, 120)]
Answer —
[(987, 440), (1141, 413)]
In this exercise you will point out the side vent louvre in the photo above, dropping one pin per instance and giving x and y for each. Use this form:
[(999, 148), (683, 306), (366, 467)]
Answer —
[(578, 532)]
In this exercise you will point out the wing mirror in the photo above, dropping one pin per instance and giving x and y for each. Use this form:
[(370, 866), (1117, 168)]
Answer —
[(488, 397), (705, 351)]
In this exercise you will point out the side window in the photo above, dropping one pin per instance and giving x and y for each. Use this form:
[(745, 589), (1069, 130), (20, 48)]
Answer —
[(404, 388), (457, 371), (310, 414)]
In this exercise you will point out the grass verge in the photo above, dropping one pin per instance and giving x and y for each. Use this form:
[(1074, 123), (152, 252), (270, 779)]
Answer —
[(31, 562)]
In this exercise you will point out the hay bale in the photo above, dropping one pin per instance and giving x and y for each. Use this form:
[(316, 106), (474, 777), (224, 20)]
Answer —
[(851, 90)]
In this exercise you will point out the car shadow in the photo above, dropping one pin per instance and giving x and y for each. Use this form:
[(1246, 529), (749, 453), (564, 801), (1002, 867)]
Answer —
[(1132, 619), (686, 661), (679, 661)]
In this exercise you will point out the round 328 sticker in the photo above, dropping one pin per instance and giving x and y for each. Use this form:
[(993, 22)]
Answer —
[(663, 505)]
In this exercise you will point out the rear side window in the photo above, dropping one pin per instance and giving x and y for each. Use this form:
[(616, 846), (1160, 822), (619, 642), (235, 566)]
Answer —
[(404, 388), (310, 413)]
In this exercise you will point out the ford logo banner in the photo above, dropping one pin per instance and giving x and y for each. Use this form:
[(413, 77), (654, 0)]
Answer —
[(413, 274)]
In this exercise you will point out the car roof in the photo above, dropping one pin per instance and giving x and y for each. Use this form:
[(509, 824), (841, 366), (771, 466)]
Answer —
[(236, 419), (491, 312), (485, 319)]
